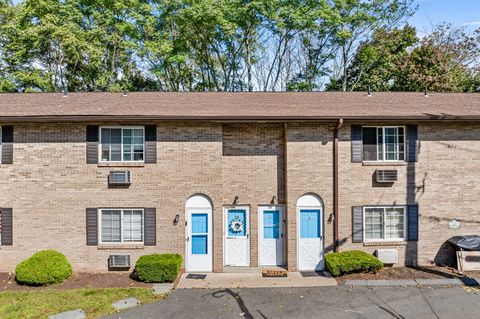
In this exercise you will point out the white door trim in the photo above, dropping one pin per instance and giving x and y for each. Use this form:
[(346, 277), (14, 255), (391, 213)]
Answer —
[(322, 264), (226, 237), (280, 251), (198, 204)]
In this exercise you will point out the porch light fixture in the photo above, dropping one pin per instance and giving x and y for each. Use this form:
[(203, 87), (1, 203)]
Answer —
[(274, 200), (331, 218), (176, 219), (235, 201)]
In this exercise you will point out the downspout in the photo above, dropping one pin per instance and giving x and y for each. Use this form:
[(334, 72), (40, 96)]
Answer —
[(335, 185)]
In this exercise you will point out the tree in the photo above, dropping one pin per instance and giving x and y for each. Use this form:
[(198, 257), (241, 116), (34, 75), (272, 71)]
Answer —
[(358, 19), (376, 63), (448, 59)]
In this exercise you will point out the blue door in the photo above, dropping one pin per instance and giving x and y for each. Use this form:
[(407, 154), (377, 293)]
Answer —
[(199, 234), (309, 223)]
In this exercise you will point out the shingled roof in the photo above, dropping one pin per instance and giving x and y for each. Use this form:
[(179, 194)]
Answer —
[(238, 106)]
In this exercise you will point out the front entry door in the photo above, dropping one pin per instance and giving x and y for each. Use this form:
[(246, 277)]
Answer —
[(310, 246), (271, 235), (199, 225), (237, 237)]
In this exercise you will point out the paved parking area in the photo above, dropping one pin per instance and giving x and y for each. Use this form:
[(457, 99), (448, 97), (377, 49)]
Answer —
[(319, 302)]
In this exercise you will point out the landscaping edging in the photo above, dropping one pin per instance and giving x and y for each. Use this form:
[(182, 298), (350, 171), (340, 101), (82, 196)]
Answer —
[(413, 282)]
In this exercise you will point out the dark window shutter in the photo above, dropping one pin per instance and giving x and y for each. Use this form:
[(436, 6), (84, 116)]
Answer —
[(92, 144), (357, 144), (150, 144), (6, 220), (369, 140), (412, 140), (150, 227), (92, 227), (412, 219), (7, 145), (357, 224)]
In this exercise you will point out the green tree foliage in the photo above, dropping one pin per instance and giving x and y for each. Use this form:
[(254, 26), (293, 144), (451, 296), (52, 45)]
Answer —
[(446, 60), (221, 45)]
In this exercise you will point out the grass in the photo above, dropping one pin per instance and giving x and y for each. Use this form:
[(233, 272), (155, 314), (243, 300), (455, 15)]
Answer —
[(41, 304)]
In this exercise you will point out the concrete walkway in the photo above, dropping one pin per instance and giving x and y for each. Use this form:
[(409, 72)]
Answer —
[(254, 280)]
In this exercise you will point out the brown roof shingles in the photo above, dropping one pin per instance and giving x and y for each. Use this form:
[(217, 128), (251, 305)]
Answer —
[(239, 106)]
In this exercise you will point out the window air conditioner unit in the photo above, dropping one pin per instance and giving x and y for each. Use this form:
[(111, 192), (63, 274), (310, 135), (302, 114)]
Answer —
[(386, 176), (120, 178), (387, 256), (119, 261)]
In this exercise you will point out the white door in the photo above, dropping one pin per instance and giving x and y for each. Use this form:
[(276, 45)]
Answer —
[(271, 235), (199, 237), (310, 239), (237, 237)]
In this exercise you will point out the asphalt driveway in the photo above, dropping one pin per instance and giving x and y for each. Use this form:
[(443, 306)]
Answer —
[(322, 302)]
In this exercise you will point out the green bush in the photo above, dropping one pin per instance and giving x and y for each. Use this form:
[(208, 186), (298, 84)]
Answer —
[(158, 267), (351, 262), (44, 268)]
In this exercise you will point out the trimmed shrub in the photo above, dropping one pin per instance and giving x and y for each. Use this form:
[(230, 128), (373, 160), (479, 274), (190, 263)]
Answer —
[(352, 261), (45, 267), (158, 267)]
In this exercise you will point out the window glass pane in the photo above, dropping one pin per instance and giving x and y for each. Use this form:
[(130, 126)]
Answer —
[(199, 223), (111, 226), (394, 223), (113, 140), (309, 223), (374, 223), (369, 143), (237, 222), (115, 144), (105, 141), (199, 245), (132, 226), (271, 224)]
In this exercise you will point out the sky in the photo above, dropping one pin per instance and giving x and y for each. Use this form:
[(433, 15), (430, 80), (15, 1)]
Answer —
[(456, 12)]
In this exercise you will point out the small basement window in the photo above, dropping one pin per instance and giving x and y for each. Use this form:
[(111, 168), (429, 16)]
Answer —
[(122, 144), (121, 226), (386, 143)]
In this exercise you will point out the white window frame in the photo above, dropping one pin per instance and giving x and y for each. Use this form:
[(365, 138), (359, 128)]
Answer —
[(384, 239), (121, 242), (121, 127), (383, 159)]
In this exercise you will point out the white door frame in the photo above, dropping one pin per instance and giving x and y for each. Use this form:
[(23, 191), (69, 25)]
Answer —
[(225, 234), (281, 210), (313, 202), (198, 204)]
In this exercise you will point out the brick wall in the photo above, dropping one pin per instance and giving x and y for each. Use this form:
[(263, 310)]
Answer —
[(50, 185)]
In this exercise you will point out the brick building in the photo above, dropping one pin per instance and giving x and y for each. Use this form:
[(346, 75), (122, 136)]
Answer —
[(238, 179)]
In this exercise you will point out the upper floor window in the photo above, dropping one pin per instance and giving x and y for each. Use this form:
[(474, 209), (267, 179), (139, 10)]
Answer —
[(121, 225), (122, 144), (386, 143), (384, 223)]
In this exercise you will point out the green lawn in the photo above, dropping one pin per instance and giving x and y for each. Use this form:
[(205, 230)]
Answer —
[(41, 304)]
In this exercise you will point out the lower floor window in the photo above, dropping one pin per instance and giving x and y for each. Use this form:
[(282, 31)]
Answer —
[(384, 223), (121, 225)]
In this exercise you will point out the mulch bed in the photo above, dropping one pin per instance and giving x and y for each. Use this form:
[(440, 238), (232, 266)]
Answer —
[(78, 280), (386, 273)]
